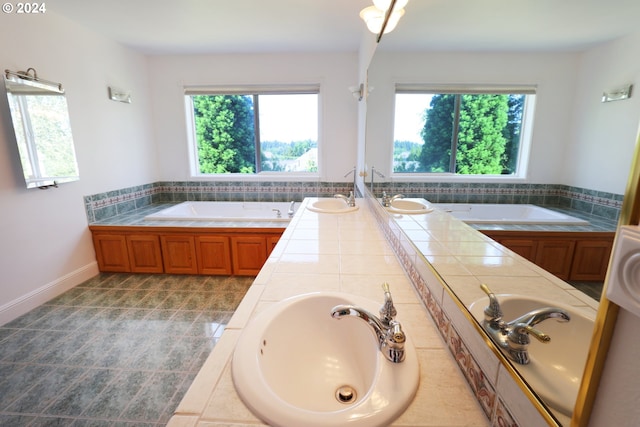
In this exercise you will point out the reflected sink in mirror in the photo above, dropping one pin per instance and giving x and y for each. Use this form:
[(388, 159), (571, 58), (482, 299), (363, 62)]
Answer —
[(409, 206), (331, 205), (295, 365), (556, 367)]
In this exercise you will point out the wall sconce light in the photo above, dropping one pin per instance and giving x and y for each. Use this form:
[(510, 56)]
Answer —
[(360, 92), (357, 91), (383, 16), (119, 95), (617, 94)]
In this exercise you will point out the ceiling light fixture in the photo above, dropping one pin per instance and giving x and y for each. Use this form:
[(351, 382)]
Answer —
[(383, 16)]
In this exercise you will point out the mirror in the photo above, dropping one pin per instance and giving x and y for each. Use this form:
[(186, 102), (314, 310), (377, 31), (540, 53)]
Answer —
[(379, 126), (42, 129)]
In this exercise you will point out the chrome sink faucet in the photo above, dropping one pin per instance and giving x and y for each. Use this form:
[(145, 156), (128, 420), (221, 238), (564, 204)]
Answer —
[(351, 200), (388, 331), (513, 336), (386, 200)]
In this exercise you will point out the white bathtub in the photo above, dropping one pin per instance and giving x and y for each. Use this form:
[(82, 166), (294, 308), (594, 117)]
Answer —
[(224, 211), (478, 213)]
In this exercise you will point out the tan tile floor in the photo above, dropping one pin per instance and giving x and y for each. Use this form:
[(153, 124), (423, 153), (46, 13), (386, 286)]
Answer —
[(117, 350)]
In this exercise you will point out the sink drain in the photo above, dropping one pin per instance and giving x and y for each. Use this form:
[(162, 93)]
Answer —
[(346, 394)]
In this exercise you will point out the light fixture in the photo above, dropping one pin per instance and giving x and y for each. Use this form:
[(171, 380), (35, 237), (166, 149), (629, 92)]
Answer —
[(360, 92), (357, 91), (617, 94), (380, 19), (120, 95), (384, 4)]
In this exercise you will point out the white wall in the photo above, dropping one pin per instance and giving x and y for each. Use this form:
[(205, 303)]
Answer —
[(45, 245), (553, 74), (339, 110), (599, 153)]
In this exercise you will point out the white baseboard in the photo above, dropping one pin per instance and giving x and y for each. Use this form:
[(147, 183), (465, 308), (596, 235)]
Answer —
[(27, 302)]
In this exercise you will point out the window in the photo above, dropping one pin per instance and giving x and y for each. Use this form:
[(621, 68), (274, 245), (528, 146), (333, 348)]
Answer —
[(461, 132), (249, 132)]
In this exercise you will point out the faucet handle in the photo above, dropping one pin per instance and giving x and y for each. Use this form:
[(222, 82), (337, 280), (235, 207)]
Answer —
[(388, 310), (518, 340), (521, 332), (492, 312)]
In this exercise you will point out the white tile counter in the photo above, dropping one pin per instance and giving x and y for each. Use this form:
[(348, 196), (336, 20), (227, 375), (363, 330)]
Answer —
[(334, 252)]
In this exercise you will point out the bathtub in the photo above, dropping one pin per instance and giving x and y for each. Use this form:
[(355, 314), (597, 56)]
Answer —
[(223, 211), (480, 213)]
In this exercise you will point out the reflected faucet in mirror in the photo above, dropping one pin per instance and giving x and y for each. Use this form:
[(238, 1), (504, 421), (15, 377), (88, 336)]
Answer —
[(513, 337), (40, 119), (374, 172)]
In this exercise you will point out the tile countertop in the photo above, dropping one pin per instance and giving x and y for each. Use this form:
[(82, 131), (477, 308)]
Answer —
[(334, 252)]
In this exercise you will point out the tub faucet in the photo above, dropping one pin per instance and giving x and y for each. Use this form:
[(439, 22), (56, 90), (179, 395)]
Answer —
[(388, 331), (291, 211), (514, 337)]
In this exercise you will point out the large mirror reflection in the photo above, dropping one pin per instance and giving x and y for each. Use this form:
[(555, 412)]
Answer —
[(42, 129), (566, 133)]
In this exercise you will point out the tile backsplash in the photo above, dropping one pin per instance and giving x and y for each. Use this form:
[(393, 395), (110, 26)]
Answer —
[(598, 203), (105, 205)]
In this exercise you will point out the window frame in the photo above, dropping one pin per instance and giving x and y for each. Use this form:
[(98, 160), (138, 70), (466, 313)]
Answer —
[(248, 90), (526, 134)]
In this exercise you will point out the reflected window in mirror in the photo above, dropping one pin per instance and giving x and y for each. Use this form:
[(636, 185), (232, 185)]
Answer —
[(462, 132), (249, 132), (40, 119)]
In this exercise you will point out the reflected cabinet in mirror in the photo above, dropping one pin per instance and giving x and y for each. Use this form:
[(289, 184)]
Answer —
[(463, 256), (42, 129)]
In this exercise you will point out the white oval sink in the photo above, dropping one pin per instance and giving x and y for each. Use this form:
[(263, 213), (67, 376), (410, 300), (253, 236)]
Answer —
[(411, 207), (556, 367), (294, 365), (331, 205)]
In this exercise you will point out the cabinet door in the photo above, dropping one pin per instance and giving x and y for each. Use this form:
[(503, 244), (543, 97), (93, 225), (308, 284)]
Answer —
[(249, 254), (555, 256), (591, 260), (111, 252), (214, 255), (179, 254), (272, 241), (526, 248), (145, 255)]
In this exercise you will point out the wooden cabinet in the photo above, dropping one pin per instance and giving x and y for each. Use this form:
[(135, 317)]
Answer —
[(214, 255), (569, 255), (249, 254), (181, 250), (272, 241), (555, 256), (111, 252), (591, 260), (526, 248), (179, 254), (144, 253)]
